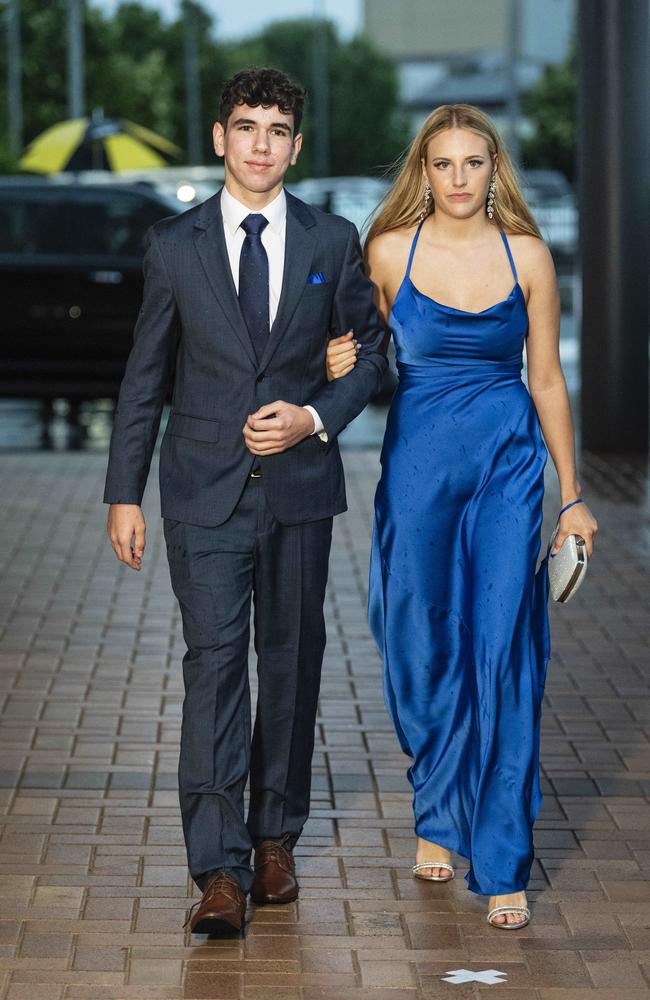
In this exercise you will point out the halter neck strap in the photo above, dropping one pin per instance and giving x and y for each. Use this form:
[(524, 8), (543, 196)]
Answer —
[(510, 258), (413, 246), (503, 237)]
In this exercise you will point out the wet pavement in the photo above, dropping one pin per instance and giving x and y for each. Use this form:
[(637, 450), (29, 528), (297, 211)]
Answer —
[(93, 883)]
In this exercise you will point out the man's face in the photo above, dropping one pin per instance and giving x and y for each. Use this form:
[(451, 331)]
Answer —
[(258, 145)]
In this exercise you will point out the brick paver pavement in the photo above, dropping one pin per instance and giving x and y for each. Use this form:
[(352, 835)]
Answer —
[(94, 887)]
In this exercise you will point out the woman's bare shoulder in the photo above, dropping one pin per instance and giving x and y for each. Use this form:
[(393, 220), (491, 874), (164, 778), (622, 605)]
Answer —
[(535, 265), (530, 250), (390, 247)]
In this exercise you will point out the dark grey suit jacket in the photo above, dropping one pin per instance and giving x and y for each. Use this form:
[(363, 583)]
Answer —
[(191, 328)]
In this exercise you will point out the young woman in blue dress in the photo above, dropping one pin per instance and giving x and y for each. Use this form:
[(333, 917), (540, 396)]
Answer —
[(456, 606)]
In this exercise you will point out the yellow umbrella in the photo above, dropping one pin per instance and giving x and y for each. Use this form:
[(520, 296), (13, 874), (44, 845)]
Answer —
[(97, 143)]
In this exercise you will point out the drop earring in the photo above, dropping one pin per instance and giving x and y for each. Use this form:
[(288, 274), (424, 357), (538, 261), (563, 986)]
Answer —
[(427, 203), (490, 199)]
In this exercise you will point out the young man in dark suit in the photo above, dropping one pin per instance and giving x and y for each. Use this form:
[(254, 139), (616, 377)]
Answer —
[(241, 295)]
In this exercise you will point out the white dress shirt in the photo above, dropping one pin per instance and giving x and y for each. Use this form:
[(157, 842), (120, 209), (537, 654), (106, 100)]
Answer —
[(273, 238)]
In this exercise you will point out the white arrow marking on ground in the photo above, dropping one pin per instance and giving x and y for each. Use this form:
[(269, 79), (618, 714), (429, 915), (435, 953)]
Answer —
[(489, 976)]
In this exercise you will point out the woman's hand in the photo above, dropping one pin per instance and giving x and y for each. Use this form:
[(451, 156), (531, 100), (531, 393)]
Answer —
[(342, 355), (576, 520)]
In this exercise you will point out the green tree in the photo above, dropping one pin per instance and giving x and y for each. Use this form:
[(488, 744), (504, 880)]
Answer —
[(43, 69), (551, 107), (131, 60), (134, 69), (367, 131)]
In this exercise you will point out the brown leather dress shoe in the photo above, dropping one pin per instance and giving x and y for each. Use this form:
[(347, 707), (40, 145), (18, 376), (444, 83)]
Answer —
[(275, 874), (222, 907)]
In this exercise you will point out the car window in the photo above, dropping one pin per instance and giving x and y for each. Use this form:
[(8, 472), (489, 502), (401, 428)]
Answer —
[(29, 223), (84, 221)]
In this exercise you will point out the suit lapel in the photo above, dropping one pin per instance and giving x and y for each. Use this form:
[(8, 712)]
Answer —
[(210, 245), (299, 246)]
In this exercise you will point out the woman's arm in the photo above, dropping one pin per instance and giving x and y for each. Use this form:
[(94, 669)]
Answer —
[(342, 352), (353, 307), (341, 355), (548, 388), (380, 263)]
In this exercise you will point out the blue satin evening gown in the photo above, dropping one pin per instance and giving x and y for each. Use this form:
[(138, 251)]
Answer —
[(456, 607)]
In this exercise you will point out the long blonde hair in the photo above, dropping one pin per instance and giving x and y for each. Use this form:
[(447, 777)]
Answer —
[(402, 205)]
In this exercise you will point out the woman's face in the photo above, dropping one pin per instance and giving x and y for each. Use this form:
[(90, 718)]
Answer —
[(458, 168)]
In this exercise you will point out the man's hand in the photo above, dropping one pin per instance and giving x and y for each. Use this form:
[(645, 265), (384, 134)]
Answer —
[(276, 427), (126, 530)]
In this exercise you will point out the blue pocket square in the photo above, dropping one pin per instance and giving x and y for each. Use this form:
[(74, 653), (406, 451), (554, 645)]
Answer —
[(317, 278)]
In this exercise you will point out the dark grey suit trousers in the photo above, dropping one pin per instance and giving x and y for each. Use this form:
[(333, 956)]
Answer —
[(215, 571)]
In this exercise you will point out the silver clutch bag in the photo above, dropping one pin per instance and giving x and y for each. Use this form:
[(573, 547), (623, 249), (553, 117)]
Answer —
[(567, 568)]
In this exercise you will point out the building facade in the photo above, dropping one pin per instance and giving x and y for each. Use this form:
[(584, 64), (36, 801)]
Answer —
[(462, 51)]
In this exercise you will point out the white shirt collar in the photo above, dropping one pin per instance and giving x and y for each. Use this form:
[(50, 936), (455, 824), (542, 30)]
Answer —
[(234, 212)]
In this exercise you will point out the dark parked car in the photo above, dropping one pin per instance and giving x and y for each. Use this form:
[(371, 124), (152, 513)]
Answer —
[(71, 282)]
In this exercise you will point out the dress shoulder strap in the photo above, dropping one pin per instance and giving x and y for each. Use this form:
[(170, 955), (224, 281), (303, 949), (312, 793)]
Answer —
[(413, 246), (509, 252)]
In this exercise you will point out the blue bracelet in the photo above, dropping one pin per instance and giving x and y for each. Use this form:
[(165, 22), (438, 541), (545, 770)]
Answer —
[(572, 504)]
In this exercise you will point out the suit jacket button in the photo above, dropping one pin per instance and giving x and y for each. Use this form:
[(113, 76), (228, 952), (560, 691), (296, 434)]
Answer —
[(260, 378)]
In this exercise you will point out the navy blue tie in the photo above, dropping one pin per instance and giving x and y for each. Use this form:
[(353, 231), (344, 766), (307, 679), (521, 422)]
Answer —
[(254, 282)]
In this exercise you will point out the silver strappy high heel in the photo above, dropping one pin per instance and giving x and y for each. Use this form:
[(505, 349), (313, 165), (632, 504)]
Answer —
[(505, 926), (433, 864)]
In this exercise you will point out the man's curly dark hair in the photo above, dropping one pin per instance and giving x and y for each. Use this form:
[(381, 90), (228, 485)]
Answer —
[(266, 87)]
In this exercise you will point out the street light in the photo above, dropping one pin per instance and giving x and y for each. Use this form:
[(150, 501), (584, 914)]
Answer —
[(14, 81), (76, 75), (192, 82), (514, 33), (320, 88)]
